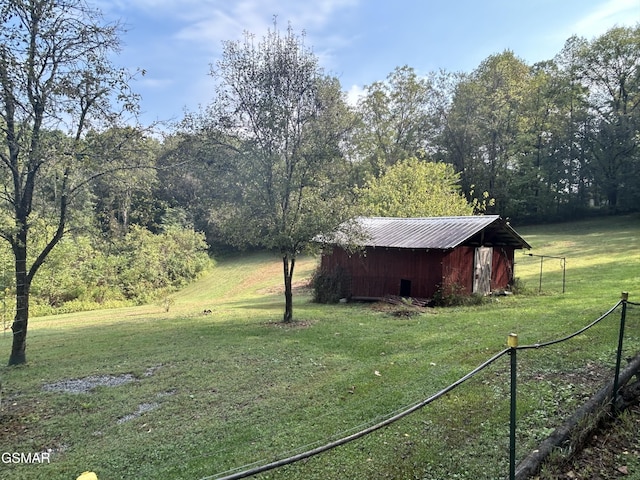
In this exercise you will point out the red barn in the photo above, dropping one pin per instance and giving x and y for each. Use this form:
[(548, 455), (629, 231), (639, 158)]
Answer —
[(416, 257)]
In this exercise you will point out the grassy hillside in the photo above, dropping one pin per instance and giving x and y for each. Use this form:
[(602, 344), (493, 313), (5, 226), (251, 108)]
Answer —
[(183, 394)]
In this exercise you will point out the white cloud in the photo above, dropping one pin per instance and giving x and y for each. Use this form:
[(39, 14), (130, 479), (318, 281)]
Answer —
[(210, 30), (205, 24), (156, 83), (176, 40), (621, 12), (355, 93), (594, 20), (214, 21)]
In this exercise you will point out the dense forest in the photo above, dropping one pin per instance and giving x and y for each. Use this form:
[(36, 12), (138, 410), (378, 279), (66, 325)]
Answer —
[(105, 210)]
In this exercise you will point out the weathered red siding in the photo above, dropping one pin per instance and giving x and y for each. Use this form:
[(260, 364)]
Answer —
[(377, 272), (458, 269), (502, 267)]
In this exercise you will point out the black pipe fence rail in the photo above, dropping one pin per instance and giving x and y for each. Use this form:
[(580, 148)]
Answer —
[(563, 264), (511, 351)]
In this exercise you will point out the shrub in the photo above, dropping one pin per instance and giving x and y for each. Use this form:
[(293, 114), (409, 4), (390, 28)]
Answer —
[(329, 287), (84, 272), (455, 295), (519, 287)]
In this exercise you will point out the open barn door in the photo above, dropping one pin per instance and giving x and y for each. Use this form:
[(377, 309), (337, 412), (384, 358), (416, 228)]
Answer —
[(482, 270)]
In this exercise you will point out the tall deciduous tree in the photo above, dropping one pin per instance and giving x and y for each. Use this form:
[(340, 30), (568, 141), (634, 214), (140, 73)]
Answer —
[(415, 188), (288, 122), (395, 118), (205, 178), (55, 75), (541, 186), (125, 197), (502, 81), (609, 66), (484, 124)]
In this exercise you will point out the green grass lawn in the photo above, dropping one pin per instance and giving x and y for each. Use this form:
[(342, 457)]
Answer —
[(214, 392)]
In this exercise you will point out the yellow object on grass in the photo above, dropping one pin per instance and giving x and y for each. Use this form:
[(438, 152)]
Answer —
[(87, 476)]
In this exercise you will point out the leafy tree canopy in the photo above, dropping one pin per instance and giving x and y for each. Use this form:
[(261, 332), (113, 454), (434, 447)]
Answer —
[(55, 75), (416, 188), (283, 122)]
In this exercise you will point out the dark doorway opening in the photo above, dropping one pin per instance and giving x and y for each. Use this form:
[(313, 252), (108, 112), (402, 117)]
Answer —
[(405, 288)]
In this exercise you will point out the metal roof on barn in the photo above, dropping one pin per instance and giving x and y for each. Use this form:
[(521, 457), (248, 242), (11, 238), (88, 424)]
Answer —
[(439, 233)]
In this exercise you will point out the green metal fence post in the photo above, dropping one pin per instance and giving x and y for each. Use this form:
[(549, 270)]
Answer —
[(512, 342), (623, 316)]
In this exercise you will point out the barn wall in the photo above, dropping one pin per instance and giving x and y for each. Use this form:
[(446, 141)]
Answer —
[(379, 271), (458, 269), (502, 267)]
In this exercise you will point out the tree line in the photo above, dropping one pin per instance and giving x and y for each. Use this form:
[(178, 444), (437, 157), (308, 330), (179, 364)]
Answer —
[(548, 142), (279, 156)]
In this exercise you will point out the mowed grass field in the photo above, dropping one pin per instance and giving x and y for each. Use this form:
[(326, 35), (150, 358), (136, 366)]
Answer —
[(189, 395)]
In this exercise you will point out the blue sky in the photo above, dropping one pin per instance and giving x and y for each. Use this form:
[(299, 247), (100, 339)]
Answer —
[(358, 41)]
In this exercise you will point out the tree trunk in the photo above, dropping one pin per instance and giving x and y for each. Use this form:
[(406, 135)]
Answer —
[(288, 263), (612, 197), (19, 326)]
